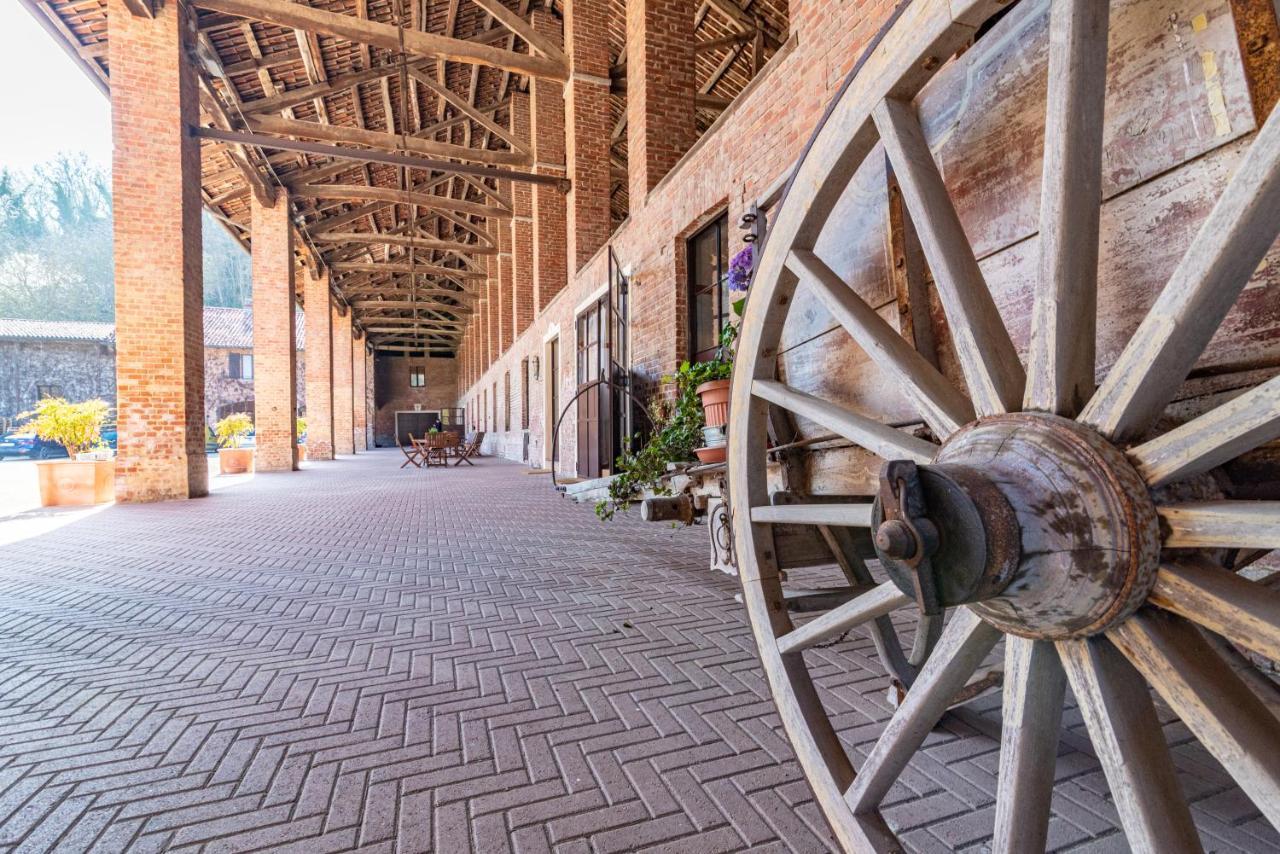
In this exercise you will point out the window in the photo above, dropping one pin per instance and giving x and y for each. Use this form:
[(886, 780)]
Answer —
[(417, 377), (484, 407), (495, 405), (240, 366), (524, 395), (708, 269), (44, 390), (506, 401)]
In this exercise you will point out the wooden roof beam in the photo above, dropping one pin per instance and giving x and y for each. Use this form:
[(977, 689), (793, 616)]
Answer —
[(394, 196), (405, 240), (367, 32)]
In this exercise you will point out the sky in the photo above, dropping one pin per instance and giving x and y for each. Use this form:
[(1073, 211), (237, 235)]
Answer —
[(49, 103)]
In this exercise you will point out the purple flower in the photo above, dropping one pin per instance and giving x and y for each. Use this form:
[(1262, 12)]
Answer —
[(740, 268)]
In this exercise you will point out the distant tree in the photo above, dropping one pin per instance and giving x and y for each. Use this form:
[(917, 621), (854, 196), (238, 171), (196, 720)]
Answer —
[(56, 259)]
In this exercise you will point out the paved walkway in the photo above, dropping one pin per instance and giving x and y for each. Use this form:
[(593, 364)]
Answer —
[(357, 656)]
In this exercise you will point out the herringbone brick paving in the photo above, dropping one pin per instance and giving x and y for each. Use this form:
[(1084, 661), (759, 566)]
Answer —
[(360, 657)]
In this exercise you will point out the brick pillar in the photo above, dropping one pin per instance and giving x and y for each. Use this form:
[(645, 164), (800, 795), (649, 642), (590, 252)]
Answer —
[(370, 396), (550, 245), (343, 415), (660, 90), (275, 373), (522, 295), (319, 366), (586, 110), (358, 382), (155, 182), (506, 281)]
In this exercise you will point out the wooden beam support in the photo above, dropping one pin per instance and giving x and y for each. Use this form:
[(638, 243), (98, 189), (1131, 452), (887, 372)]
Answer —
[(399, 197), (366, 32), (405, 240), (414, 269), (385, 141)]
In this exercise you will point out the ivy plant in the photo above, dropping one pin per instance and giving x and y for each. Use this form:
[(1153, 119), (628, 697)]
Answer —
[(677, 422)]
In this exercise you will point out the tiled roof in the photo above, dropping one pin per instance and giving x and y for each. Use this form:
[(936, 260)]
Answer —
[(58, 330), (223, 327)]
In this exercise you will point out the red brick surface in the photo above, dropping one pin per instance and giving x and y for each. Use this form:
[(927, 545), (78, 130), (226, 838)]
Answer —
[(588, 128), (343, 402), (550, 241), (359, 394), (159, 292), (274, 369), (660, 89), (361, 657), (319, 365)]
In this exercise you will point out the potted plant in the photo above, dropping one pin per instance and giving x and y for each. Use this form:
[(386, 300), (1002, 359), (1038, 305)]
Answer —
[(301, 426), (88, 476), (715, 393), (233, 459)]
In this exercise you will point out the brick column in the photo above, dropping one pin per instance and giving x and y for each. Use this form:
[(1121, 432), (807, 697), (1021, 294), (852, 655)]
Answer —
[(550, 246), (370, 395), (274, 337), (522, 295), (660, 90), (159, 286), (506, 282), (360, 417), (586, 109), (319, 366), (343, 440)]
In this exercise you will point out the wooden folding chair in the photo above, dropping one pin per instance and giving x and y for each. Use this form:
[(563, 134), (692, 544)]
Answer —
[(469, 449), (412, 454)]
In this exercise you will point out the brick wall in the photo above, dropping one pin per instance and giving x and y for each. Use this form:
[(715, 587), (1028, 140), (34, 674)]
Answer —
[(392, 392), (740, 157), (343, 415), (155, 181), (275, 371)]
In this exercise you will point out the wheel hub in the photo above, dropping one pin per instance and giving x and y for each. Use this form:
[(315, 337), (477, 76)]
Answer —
[(1036, 522)]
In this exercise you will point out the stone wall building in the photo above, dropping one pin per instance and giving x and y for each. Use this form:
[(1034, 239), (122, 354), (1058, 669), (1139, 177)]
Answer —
[(77, 360)]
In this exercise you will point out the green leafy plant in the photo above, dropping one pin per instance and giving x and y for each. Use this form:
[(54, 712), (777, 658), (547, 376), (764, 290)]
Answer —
[(75, 426), (300, 424), (677, 431), (232, 429)]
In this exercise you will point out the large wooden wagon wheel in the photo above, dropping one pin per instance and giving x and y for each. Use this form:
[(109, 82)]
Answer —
[(1049, 515)]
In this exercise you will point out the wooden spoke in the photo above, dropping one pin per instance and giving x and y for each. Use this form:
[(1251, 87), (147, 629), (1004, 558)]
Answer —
[(1127, 737), (1242, 611), (1214, 438), (964, 644), (982, 344), (875, 603), (1215, 268), (848, 515), (1060, 362), (1222, 524), (1034, 685), (887, 442), (939, 403), (1219, 709)]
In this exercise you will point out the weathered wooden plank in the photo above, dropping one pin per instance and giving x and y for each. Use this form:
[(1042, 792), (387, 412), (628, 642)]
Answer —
[(1219, 709), (1129, 742), (1034, 687), (878, 438), (1240, 610), (884, 599), (965, 642), (851, 515), (991, 367), (1221, 524), (1060, 362), (1220, 435), (936, 399), (1217, 265)]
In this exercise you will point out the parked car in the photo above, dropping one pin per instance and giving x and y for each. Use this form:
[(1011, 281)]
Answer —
[(28, 446)]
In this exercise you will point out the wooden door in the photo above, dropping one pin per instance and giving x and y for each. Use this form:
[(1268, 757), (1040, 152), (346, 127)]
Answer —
[(589, 410)]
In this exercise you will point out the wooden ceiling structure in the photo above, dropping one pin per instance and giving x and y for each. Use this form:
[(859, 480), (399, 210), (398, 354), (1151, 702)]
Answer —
[(387, 121)]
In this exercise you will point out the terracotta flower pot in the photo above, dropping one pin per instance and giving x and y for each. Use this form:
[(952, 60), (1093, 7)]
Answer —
[(68, 483), (715, 402), (712, 455), (235, 460), (302, 453)]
